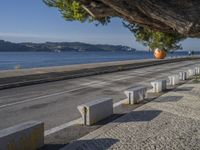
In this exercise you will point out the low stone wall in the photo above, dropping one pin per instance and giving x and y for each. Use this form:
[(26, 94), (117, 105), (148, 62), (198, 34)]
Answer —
[(12, 79)]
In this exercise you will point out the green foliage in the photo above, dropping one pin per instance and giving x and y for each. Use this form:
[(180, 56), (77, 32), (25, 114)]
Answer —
[(70, 9), (73, 10), (155, 39)]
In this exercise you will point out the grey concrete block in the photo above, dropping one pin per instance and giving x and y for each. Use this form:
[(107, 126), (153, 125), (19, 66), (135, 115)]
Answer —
[(135, 95), (173, 79), (25, 136), (159, 85), (191, 72), (197, 70), (95, 111), (182, 76)]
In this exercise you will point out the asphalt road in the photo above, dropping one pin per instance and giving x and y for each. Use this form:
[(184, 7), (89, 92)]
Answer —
[(56, 103)]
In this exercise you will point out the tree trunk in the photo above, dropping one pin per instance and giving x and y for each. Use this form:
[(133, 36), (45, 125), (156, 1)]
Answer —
[(181, 16)]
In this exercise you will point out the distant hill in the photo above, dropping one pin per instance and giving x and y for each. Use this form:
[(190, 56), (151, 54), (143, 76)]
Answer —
[(6, 46)]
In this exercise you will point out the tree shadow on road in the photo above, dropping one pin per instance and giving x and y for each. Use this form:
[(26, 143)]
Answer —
[(168, 99), (52, 146), (94, 144), (109, 119), (140, 116), (183, 89)]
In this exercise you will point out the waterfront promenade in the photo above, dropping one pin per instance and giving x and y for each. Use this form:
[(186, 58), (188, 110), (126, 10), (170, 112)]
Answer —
[(170, 122), (55, 103)]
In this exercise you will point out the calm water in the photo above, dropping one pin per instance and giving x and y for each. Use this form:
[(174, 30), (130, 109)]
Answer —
[(9, 60)]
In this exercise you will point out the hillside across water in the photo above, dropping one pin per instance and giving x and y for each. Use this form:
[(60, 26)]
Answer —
[(6, 46)]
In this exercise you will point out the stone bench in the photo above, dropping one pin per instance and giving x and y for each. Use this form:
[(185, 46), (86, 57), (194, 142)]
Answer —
[(159, 85), (95, 111), (25, 136), (191, 72), (173, 80), (182, 76), (197, 70), (136, 94)]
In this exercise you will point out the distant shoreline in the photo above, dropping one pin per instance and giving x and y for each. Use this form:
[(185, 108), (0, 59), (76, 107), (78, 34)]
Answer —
[(60, 47), (23, 60)]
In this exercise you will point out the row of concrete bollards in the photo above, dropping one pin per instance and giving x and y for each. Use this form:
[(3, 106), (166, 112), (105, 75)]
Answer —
[(95, 111), (30, 135)]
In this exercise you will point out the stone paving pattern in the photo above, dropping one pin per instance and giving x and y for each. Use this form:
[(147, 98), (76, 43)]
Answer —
[(170, 122)]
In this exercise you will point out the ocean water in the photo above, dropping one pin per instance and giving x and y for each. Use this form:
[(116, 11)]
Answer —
[(11, 60)]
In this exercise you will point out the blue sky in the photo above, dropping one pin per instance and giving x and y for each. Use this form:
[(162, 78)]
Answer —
[(33, 21)]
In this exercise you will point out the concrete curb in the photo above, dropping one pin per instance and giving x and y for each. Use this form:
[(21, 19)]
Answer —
[(28, 135), (83, 72)]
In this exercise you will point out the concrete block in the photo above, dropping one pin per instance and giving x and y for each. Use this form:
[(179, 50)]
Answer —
[(173, 79), (191, 72), (182, 76), (159, 85), (25, 136), (135, 95), (197, 70), (95, 111)]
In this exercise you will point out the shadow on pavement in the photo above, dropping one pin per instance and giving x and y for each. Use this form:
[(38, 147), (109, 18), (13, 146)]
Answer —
[(140, 116), (74, 132), (184, 89), (168, 99), (93, 144), (109, 119), (52, 146)]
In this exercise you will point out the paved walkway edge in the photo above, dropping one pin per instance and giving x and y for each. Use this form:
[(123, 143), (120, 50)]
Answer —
[(170, 106)]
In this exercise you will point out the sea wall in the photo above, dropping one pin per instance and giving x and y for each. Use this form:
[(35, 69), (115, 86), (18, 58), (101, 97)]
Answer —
[(23, 77)]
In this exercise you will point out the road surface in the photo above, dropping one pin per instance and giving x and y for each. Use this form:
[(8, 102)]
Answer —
[(55, 103)]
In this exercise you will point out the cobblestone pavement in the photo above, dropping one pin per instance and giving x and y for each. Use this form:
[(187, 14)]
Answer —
[(170, 122)]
